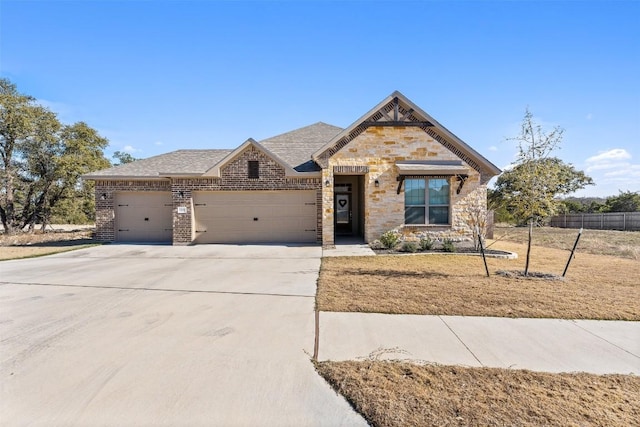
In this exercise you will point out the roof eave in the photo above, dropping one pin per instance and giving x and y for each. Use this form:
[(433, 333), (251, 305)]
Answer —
[(90, 177), (490, 167), (180, 174), (315, 156)]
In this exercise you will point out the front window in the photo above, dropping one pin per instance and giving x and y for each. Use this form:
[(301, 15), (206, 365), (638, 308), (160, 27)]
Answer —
[(426, 201)]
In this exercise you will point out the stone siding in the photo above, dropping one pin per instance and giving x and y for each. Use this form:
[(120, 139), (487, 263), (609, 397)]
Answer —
[(380, 148)]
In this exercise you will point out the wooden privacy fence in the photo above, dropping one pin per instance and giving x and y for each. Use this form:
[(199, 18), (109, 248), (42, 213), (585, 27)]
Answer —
[(627, 221)]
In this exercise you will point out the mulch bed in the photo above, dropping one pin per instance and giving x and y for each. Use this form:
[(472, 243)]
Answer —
[(463, 251)]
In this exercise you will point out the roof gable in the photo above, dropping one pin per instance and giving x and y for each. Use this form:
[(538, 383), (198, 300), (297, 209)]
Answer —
[(215, 170), (398, 110)]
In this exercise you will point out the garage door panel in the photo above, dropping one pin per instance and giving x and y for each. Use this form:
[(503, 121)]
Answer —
[(144, 217), (255, 216)]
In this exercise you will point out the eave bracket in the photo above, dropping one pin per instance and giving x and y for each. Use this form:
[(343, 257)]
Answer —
[(461, 180), (400, 181)]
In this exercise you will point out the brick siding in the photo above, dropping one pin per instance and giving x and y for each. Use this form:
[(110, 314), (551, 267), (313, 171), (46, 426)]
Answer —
[(234, 177), (105, 191)]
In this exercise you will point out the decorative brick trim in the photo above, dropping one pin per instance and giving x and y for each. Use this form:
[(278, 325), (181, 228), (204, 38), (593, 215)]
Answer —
[(352, 170), (323, 159), (303, 181), (453, 149)]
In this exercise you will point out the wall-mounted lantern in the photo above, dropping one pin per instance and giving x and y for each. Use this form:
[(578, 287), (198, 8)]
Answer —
[(376, 183)]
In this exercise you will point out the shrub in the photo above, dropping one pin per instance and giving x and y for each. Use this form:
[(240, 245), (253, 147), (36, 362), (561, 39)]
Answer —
[(448, 246), (426, 243), (409, 247), (389, 239)]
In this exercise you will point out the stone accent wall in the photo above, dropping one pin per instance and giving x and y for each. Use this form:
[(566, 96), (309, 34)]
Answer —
[(105, 196), (380, 148)]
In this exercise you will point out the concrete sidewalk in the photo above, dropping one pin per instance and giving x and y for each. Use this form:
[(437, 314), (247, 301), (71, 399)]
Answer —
[(549, 345), (350, 249)]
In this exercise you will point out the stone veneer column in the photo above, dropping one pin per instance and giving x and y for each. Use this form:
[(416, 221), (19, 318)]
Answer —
[(327, 208)]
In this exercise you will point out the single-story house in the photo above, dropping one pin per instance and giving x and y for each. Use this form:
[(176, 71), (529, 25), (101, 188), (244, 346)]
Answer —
[(394, 168)]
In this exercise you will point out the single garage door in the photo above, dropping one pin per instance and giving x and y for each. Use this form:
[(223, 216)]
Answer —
[(255, 216), (144, 216)]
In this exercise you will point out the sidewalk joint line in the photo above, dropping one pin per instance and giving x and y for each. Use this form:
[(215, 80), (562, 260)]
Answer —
[(462, 342), (603, 339), (158, 289)]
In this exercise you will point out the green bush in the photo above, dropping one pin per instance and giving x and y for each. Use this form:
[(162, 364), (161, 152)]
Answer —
[(426, 243), (409, 247), (389, 239), (448, 246)]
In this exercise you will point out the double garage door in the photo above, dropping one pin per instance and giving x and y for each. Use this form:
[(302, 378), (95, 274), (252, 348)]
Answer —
[(220, 217), (144, 216), (255, 216)]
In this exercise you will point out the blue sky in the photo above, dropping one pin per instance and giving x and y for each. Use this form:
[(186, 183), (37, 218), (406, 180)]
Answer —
[(156, 76)]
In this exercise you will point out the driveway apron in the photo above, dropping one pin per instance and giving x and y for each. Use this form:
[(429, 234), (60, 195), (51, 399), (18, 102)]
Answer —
[(159, 335)]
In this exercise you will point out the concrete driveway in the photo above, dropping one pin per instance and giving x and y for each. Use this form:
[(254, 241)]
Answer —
[(160, 335)]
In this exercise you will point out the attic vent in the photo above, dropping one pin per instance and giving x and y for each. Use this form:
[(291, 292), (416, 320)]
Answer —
[(254, 169)]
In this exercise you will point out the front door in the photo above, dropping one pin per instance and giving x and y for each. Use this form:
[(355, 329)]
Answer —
[(344, 215)]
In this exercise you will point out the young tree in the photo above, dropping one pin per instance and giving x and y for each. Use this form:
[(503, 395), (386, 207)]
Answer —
[(530, 188), (551, 178)]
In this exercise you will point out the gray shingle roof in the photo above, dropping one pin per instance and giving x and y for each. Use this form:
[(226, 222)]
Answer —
[(297, 146), (294, 148), (175, 162)]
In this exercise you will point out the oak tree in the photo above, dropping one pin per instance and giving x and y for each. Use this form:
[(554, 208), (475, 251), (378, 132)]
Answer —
[(42, 160)]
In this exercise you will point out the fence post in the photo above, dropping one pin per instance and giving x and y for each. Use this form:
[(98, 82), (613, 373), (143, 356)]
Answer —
[(624, 221), (602, 221)]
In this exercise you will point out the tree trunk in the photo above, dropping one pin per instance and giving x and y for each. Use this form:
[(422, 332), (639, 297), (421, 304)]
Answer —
[(8, 210), (526, 265), (8, 213)]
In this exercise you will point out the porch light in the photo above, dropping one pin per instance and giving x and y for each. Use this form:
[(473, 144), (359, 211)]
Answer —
[(181, 194), (376, 183), (327, 183), (103, 196)]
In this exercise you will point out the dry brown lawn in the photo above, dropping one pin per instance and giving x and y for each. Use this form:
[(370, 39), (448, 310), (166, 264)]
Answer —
[(28, 245), (625, 244), (596, 286), (402, 394), (395, 393)]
